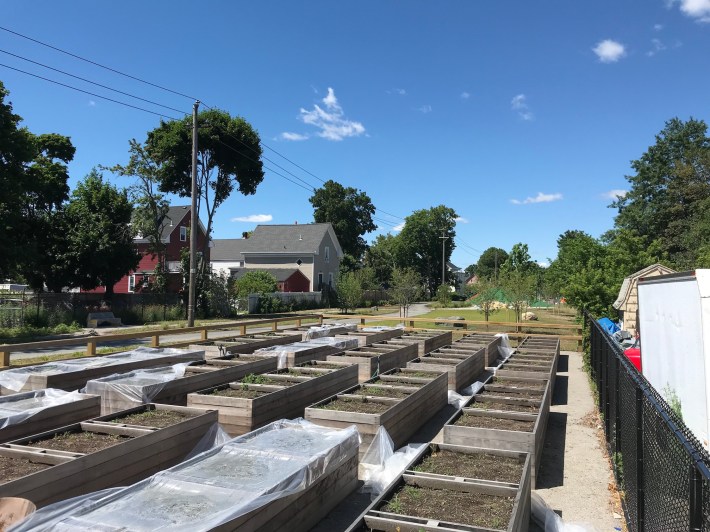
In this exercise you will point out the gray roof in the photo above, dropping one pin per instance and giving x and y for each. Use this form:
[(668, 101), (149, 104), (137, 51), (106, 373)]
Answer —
[(173, 218), (227, 249), (281, 274), (627, 285), (295, 238)]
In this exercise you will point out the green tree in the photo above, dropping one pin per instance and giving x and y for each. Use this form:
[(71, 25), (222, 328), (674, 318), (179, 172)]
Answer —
[(490, 261), (381, 256), (471, 270), (443, 294), (100, 240), (368, 278), (349, 291), (518, 259), (420, 243), (406, 288), (576, 250), (519, 288), (485, 293), (255, 282), (349, 211)]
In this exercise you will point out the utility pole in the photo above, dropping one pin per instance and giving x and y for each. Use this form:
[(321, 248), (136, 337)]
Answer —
[(193, 223), (443, 238)]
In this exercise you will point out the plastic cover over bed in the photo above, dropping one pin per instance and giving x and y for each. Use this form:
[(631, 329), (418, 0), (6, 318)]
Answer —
[(18, 407), (214, 487), (319, 331), (282, 351)]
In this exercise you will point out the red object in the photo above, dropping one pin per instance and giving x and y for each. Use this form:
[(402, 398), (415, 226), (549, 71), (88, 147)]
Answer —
[(634, 356)]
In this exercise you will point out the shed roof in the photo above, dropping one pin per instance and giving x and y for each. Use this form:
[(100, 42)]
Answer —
[(628, 283)]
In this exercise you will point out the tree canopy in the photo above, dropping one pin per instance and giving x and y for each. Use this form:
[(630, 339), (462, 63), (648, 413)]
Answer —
[(255, 282), (490, 261)]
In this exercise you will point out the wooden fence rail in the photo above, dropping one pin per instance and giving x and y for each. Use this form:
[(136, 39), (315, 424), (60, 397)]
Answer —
[(91, 342)]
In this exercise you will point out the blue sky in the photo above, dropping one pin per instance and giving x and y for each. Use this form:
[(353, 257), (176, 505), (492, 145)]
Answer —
[(522, 116)]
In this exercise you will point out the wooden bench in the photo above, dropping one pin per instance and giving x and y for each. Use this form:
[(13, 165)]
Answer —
[(97, 319)]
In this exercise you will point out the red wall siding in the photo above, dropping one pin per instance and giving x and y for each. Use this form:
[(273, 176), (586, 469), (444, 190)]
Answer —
[(296, 283)]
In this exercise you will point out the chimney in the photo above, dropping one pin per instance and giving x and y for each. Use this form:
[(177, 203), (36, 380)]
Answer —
[(295, 223)]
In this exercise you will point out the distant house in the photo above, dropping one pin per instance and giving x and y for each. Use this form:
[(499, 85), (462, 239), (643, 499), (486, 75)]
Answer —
[(288, 280), (175, 236), (458, 275), (627, 303), (311, 249)]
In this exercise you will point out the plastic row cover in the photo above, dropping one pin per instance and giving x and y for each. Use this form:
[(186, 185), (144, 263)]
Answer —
[(18, 407), (15, 379), (127, 390), (380, 328), (319, 331), (504, 349), (458, 401), (381, 464), (549, 521), (212, 488), (282, 351)]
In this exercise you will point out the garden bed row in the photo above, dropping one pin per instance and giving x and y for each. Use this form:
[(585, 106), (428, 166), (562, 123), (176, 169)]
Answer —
[(491, 343), (245, 344), (377, 358), (426, 341)]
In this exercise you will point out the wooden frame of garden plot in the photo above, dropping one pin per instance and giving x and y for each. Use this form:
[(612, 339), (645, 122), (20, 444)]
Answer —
[(324, 330), (84, 407), (488, 436), (373, 518), (426, 341), (535, 344), (239, 415), (462, 368), (70, 474), (401, 417), (244, 344), (295, 355), (376, 358), (526, 368), (491, 342), (366, 338)]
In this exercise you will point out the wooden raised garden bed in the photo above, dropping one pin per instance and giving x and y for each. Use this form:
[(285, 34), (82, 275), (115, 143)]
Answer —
[(400, 401), (291, 355), (73, 374), (245, 344), (107, 451), (534, 345), (48, 410), (509, 422), (257, 400), (462, 369), (374, 335), (491, 342), (311, 332), (426, 341), (450, 488), (377, 358), (527, 369)]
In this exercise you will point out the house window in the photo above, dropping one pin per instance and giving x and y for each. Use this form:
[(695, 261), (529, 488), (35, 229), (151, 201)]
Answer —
[(183, 233), (320, 281), (131, 283), (327, 254), (330, 280)]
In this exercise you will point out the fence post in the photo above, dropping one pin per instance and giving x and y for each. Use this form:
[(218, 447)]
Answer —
[(4, 358), (607, 401), (203, 335), (243, 330), (91, 348), (640, 492), (274, 325), (298, 322), (696, 500), (580, 345), (155, 340), (617, 405)]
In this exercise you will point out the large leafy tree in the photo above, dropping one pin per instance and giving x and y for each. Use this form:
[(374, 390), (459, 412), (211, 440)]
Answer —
[(349, 210), (381, 256), (490, 261), (100, 238), (420, 245), (255, 282)]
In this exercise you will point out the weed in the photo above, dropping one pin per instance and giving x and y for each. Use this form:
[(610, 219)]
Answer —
[(252, 379), (618, 461), (673, 401)]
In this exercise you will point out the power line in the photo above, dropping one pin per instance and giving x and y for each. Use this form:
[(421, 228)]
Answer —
[(96, 64), (92, 82), (90, 93)]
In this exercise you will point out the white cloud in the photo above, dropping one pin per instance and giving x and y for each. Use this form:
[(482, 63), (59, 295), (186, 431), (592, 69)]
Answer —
[(697, 9), (615, 194), (331, 121), (424, 109), (465, 95), (540, 198), (288, 135), (254, 218), (609, 51), (461, 220), (543, 263), (91, 103), (400, 92), (658, 27), (519, 103), (656, 46), (397, 228)]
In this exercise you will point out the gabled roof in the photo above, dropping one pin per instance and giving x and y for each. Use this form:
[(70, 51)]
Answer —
[(627, 285), (290, 239), (227, 249), (280, 274), (173, 218)]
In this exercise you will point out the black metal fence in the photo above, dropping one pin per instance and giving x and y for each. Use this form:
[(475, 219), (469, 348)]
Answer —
[(660, 466)]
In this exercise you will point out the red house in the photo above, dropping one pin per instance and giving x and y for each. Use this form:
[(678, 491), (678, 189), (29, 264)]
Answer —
[(176, 237)]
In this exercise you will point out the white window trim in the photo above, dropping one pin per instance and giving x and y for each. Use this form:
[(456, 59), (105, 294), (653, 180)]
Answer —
[(183, 237), (131, 283), (331, 280), (327, 254)]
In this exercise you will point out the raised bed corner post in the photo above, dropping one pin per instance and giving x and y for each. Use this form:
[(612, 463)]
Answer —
[(203, 334), (155, 340), (640, 503), (4, 359), (91, 348)]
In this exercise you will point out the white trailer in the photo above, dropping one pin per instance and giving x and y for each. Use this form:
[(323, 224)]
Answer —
[(674, 324)]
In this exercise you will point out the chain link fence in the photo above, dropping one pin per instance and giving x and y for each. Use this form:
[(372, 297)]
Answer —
[(662, 470)]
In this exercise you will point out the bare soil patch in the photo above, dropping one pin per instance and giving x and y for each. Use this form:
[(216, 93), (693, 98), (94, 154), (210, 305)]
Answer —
[(452, 506), (479, 465), (495, 405), (80, 442), (485, 422), (349, 405), (155, 418), (14, 468), (381, 391), (243, 393), (515, 394), (517, 384)]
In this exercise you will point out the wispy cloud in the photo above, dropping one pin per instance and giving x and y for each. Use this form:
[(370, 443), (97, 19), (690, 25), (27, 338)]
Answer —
[(658, 27), (91, 103), (254, 218), (543, 263), (288, 135), (656, 46), (519, 103), (397, 228), (465, 95), (540, 198), (615, 194), (400, 92), (461, 220), (697, 9), (609, 51), (331, 121), (424, 109)]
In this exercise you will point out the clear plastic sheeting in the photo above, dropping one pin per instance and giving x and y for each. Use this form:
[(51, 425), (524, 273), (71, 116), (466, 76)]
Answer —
[(458, 401), (504, 349), (546, 519), (381, 328), (127, 390), (319, 331), (15, 379), (381, 465), (282, 351), (213, 488), (19, 407), (473, 389)]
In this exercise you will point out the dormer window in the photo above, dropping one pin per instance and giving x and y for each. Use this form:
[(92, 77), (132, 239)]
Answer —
[(327, 254), (183, 233)]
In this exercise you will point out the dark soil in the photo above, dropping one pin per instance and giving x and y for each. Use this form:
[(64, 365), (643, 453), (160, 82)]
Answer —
[(80, 442), (452, 506), (325, 365), (348, 405), (403, 382), (503, 406), (418, 374), (155, 418), (239, 392), (486, 422), (380, 391), (14, 468), (513, 394), (479, 465), (518, 384), (524, 368)]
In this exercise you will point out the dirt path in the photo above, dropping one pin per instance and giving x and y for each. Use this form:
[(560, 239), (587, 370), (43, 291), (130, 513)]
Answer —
[(574, 475)]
